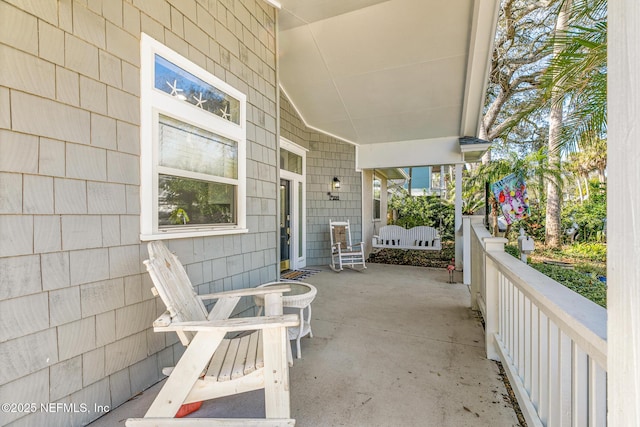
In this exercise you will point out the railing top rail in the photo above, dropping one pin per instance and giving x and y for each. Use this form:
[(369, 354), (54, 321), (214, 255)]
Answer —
[(581, 319), (480, 232)]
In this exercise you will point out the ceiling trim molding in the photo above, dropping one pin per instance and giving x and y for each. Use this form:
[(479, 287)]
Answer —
[(274, 3)]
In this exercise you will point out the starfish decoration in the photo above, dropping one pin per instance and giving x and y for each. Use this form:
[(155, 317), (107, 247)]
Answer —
[(174, 88), (200, 100), (225, 113)]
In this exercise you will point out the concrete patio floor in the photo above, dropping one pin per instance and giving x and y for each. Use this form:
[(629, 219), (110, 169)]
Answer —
[(392, 346)]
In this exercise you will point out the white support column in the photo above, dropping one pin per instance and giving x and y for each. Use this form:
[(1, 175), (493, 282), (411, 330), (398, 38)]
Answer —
[(623, 274), (443, 190), (458, 215)]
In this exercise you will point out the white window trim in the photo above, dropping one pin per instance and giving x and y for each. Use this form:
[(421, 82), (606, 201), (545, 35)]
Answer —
[(153, 103)]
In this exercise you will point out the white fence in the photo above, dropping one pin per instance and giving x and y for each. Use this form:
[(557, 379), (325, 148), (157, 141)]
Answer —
[(551, 341)]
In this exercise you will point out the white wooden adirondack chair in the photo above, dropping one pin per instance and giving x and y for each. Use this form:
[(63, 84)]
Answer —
[(214, 366)]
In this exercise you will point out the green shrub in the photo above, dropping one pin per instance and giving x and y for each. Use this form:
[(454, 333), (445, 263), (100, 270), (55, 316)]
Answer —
[(589, 215), (424, 210), (590, 251), (586, 285), (512, 250)]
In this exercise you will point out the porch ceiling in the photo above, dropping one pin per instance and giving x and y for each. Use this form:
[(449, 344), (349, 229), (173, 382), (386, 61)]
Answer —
[(374, 71)]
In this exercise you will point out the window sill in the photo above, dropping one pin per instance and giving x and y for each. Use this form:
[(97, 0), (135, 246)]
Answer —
[(166, 235)]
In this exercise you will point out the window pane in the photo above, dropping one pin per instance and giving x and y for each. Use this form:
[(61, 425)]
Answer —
[(290, 161), (185, 201), (185, 86), (189, 148)]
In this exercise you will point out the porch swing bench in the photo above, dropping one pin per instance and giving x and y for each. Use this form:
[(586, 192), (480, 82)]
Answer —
[(422, 238)]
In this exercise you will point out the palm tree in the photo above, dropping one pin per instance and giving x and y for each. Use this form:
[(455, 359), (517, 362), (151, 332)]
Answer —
[(575, 82), (533, 167), (579, 71)]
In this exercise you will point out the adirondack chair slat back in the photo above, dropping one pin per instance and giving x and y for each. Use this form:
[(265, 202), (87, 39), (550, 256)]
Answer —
[(173, 285)]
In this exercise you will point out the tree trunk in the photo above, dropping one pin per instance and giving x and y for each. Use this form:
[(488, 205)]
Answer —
[(553, 231), (580, 189), (587, 192)]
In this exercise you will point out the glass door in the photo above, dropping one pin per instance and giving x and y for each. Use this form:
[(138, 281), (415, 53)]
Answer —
[(285, 225), (292, 206)]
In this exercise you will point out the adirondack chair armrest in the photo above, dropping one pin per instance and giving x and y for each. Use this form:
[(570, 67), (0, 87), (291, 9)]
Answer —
[(227, 325), (246, 292)]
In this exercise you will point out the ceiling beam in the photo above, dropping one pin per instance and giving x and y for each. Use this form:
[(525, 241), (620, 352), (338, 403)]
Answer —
[(422, 152)]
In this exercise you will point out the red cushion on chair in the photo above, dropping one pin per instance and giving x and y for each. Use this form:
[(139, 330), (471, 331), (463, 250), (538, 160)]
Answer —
[(188, 408)]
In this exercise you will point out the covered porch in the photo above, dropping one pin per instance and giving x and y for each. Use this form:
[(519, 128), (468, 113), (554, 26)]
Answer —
[(394, 345)]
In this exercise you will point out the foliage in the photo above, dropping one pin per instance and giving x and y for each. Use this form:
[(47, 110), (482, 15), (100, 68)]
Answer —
[(533, 167), (438, 259), (583, 279), (586, 285), (589, 216), (191, 201), (588, 251), (579, 71), (512, 250), (179, 216), (413, 211), (520, 54)]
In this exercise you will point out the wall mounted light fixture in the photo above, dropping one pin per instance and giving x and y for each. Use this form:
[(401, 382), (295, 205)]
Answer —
[(335, 185)]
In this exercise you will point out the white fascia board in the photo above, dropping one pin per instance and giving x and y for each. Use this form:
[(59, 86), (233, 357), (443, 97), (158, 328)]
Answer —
[(481, 39)]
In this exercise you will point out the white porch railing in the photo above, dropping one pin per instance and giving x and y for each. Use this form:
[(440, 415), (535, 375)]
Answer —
[(551, 341)]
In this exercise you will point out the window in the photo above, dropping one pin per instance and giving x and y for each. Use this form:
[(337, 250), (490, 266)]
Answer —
[(291, 162), (193, 145), (377, 186)]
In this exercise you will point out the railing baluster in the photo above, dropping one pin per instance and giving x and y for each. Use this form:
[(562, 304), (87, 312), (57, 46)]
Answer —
[(535, 356), (501, 296), (597, 395), (580, 387), (554, 375), (543, 358), (512, 316), (521, 334), (565, 367), (526, 353)]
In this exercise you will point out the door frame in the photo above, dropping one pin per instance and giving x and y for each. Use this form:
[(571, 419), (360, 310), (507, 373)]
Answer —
[(298, 206)]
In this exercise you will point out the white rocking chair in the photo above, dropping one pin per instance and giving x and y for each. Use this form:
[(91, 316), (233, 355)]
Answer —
[(343, 252), (214, 365)]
